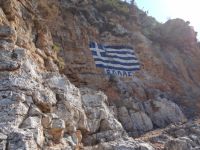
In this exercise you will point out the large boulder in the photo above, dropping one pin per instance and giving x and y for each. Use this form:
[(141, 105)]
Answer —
[(163, 112), (178, 144), (103, 126), (21, 140), (134, 122)]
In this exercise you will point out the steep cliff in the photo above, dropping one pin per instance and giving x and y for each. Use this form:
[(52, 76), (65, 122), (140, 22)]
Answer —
[(168, 52), (49, 91)]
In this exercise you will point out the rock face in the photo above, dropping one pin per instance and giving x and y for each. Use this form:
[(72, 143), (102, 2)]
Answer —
[(179, 33), (163, 112), (49, 85), (168, 52), (175, 137), (39, 109), (135, 123), (103, 126), (122, 144)]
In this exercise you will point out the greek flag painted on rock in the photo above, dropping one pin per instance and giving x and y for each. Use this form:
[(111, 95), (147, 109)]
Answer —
[(116, 60)]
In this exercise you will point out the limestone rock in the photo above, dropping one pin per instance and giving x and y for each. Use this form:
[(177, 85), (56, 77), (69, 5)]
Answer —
[(135, 123), (99, 118), (34, 124), (69, 107), (57, 129), (163, 112), (125, 119), (38, 134), (178, 145), (15, 110), (58, 124), (35, 111), (44, 99), (62, 86), (141, 122), (7, 33), (21, 140), (31, 123), (9, 66), (3, 141), (122, 144), (46, 121)]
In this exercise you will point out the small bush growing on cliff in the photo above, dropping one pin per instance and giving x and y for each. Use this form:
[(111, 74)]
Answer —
[(56, 48), (59, 61), (117, 5)]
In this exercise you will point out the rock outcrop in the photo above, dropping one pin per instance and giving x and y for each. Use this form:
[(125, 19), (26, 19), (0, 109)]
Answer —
[(175, 137), (122, 144), (103, 126), (163, 112)]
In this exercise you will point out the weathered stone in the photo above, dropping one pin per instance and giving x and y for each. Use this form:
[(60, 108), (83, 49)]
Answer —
[(180, 132), (46, 121), (120, 30), (135, 123), (50, 65), (70, 141), (125, 119), (7, 33), (122, 144), (15, 110), (141, 122), (31, 123), (177, 144), (58, 124), (9, 66), (99, 118), (195, 130), (3, 141), (6, 45), (57, 129), (110, 124), (34, 126), (38, 135), (22, 82), (21, 140), (3, 19), (163, 112), (35, 111), (74, 140), (44, 99)]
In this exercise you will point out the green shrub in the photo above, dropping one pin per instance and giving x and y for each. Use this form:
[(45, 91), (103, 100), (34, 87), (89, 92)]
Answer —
[(61, 63), (117, 5), (56, 48)]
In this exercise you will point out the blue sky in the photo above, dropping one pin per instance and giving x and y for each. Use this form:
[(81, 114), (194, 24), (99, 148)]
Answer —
[(163, 10)]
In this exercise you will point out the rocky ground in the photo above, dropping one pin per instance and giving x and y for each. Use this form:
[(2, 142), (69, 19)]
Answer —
[(52, 96), (181, 136)]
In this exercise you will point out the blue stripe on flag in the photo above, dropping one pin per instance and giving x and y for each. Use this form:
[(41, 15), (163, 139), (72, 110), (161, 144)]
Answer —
[(118, 47), (116, 62), (103, 54), (121, 52)]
